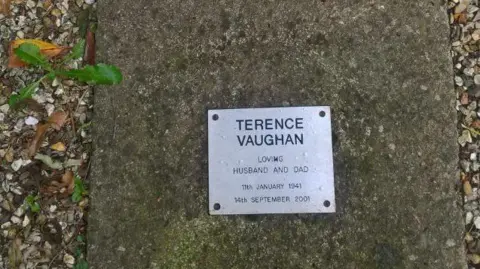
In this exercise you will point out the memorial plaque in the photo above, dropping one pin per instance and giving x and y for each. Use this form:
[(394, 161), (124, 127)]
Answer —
[(270, 160)]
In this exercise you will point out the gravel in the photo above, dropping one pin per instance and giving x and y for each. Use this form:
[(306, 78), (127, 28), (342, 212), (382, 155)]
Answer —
[(52, 235), (465, 35)]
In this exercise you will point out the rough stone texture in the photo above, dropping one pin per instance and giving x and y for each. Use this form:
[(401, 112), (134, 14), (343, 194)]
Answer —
[(384, 68)]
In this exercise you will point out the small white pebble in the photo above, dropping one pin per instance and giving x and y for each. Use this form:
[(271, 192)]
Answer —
[(17, 191), (59, 91), (476, 221), (476, 35), (19, 125), (458, 81), (4, 108), (39, 98), (19, 212), (20, 34), (89, 2), (17, 164), (26, 221), (9, 176), (52, 208), (31, 120), (468, 71), (6, 225), (68, 259), (16, 220), (55, 82), (50, 108), (468, 218), (31, 4), (476, 79)]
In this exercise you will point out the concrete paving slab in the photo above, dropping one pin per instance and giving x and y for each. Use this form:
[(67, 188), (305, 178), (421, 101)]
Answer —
[(384, 68)]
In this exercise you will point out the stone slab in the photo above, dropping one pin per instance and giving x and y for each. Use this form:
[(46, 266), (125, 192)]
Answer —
[(384, 68)]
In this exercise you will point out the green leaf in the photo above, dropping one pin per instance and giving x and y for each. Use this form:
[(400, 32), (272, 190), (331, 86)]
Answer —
[(76, 197), (78, 252), (100, 74), (78, 190), (32, 204), (81, 264), (81, 238), (35, 207), (30, 54), (13, 101), (78, 49), (24, 93)]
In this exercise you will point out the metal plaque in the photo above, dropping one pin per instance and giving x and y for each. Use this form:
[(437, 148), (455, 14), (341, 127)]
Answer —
[(270, 160)]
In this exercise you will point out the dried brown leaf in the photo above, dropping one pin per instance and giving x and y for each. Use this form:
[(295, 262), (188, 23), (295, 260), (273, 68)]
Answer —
[(474, 258), (460, 18), (68, 181), (47, 4), (37, 139), (59, 146), (90, 48), (467, 188), (14, 253), (5, 6), (32, 105), (64, 187), (9, 155), (48, 49), (57, 119), (475, 124)]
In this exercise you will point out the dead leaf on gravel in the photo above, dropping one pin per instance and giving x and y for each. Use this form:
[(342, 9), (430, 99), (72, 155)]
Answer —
[(57, 119), (15, 254), (5, 6), (460, 18), (68, 181), (475, 124), (59, 147), (48, 49), (90, 48), (9, 155), (65, 186), (38, 139), (32, 105), (48, 161), (47, 4), (467, 188)]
